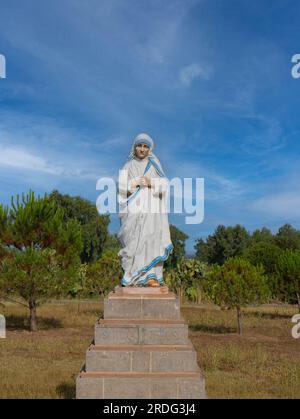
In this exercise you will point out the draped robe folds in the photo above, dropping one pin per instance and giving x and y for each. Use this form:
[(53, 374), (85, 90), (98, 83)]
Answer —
[(144, 234)]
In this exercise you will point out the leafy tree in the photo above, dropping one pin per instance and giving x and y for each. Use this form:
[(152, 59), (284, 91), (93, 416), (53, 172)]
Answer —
[(263, 253), (266, 253), (178, 239), (237, 284), (40, 252), (288, 238), (103, 275), (226, 242), (35, 275), (186, 279), (112, 243), (80, 288), (94, 226), (288, 268), (263, 235)]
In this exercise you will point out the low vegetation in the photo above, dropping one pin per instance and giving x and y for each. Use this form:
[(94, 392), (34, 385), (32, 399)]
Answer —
[(263, 363)]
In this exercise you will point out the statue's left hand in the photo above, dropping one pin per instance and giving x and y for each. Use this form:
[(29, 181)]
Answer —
[(146, 181)]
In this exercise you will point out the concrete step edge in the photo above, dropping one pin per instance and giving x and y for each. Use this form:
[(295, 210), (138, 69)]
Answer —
[(122, 374), (141, 347), (116, 296), (141, 322)]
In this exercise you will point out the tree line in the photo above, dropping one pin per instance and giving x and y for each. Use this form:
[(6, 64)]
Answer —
[(241, 269), (56, 246), (278, 255)]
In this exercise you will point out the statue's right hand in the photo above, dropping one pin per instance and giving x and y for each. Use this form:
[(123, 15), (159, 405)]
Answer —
[(135, 183)]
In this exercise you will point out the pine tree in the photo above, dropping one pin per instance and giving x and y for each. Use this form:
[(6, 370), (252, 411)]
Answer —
[(39, 251)]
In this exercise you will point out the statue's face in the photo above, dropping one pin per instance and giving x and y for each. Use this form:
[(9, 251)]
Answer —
[(141, 150)]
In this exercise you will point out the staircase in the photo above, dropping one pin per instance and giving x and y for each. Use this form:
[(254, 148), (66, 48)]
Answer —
[(141, 350)]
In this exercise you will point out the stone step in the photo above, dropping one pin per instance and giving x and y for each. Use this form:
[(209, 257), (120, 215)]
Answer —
[(141, 350), (141, 358), (141, 290), (120, 385), (141, 306), (145, 331)]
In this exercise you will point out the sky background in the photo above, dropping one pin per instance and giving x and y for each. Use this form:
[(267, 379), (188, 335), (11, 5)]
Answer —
[(210, 80)]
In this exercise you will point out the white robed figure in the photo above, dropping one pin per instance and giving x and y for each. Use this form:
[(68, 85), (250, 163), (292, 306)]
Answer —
[(144, 233)]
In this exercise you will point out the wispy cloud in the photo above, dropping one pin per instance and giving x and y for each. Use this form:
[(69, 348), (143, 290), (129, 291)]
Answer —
[(218, 186), (20, 159), (39, 144), (282, 205), (193, 71), (85, 77), (265, 135)]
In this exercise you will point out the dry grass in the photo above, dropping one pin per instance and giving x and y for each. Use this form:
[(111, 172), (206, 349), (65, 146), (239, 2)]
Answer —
[(45, 364), (264, 363)]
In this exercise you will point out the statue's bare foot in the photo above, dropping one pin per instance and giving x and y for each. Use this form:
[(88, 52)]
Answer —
[(153, 283)]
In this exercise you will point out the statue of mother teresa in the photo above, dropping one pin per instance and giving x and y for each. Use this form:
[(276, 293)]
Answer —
[(144, 233)]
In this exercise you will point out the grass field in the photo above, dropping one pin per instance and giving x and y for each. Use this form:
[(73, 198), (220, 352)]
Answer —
[(264, 363)]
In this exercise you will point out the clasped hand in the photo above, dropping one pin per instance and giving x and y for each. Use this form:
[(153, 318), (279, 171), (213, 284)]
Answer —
[(142, 181)]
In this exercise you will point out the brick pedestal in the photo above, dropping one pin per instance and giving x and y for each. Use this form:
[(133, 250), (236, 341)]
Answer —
[(141, 350)]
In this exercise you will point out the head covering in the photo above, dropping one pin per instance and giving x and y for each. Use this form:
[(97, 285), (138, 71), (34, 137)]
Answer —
[(144, 138)]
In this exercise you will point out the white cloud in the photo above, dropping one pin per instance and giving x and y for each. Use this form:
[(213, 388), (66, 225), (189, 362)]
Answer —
[(16, 158), (39, 144), (217, 186), (21, 159), (266, 135), (280, 205), (193, 71)]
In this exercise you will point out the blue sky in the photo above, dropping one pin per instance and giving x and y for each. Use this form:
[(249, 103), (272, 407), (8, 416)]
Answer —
[(210, 80)]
